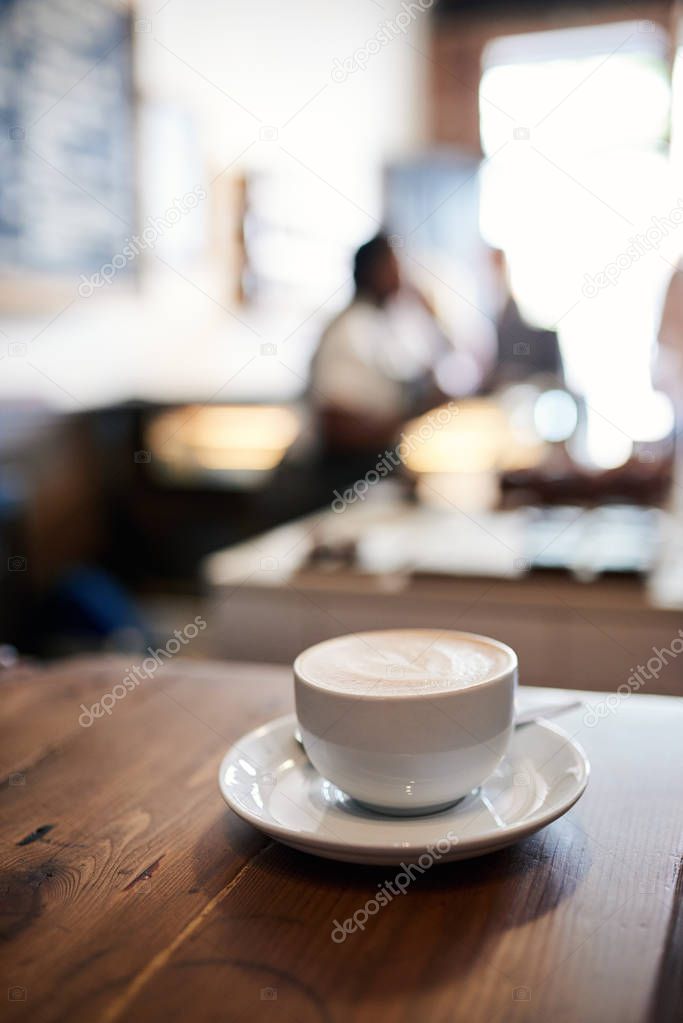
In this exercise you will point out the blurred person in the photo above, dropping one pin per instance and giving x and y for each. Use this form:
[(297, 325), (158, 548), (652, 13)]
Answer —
[(667, 375), (668, 369), (374, 366), (522, 351)]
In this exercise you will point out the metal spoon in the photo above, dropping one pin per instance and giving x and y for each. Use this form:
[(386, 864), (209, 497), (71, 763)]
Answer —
[(548, 710)]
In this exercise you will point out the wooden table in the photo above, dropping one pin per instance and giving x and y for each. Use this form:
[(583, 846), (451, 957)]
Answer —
[(130, 892)]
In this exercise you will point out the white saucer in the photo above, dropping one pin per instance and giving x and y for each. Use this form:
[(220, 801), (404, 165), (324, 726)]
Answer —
[(267, 780)]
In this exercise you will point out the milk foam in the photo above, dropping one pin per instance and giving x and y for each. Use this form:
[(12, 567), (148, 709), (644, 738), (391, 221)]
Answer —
[(401, 662)]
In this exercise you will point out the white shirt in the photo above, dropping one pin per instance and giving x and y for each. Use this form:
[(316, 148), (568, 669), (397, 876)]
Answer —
[(369, 353)]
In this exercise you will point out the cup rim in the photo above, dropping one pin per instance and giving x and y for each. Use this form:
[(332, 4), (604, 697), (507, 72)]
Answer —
[(513, 665)]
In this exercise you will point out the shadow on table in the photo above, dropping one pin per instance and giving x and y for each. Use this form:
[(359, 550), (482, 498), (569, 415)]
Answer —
[(516, 885), (277, 924)]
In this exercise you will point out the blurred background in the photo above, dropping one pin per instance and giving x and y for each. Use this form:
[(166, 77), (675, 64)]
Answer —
[(331, 317)]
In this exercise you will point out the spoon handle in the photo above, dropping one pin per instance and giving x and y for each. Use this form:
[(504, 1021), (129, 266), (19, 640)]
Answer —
[(549, 710)]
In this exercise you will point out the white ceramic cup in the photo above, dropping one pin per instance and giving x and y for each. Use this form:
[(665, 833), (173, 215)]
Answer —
[(404, 752)]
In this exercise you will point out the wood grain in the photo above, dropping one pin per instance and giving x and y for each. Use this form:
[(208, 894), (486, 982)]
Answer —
[(131, 893)]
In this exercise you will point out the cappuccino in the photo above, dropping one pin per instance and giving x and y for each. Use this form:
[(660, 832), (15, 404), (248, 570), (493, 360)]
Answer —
[(403, 662)]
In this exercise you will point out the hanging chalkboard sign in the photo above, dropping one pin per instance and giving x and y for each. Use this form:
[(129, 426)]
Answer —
[(67, 200)]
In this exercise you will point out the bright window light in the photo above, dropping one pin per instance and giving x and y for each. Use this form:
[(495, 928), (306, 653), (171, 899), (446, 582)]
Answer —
[(555, 415), (574, 126)]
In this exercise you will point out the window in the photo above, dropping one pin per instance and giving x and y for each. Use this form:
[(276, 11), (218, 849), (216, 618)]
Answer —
[(574, 126)]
